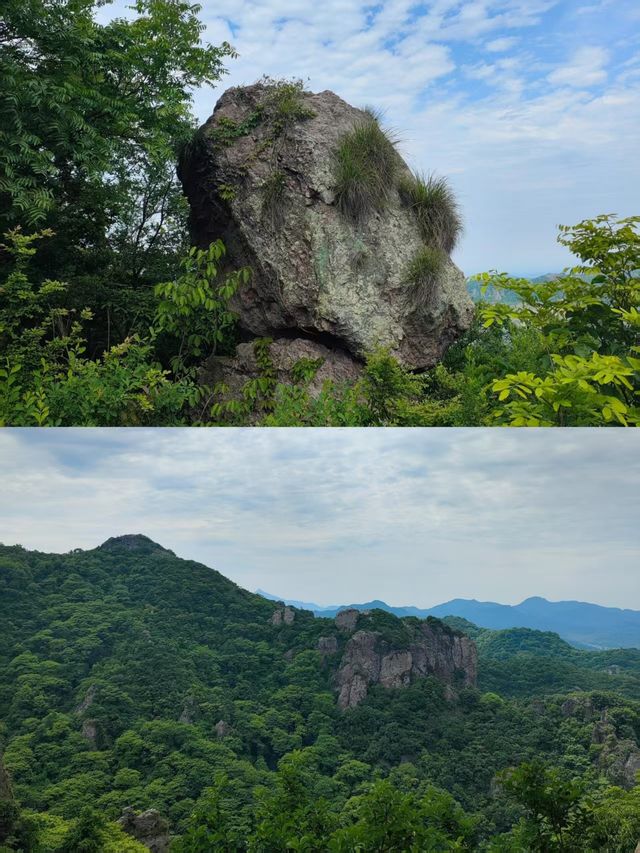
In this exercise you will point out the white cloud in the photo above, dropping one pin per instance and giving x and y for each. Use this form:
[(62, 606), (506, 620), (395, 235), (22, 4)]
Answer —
[(502, 44), (586, 68), (412, 516)]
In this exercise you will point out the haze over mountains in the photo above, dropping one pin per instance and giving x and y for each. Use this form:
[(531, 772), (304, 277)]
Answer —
[(579, 623)]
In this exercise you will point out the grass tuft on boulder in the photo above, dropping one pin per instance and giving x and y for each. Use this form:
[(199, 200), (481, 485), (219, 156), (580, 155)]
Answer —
[(423, 273), (436, 209), (272, 192), (366, 167)]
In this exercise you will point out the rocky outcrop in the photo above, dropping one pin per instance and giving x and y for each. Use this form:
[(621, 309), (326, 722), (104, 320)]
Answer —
[(347, 620), (283, 616), (149, 828), (432, 649), (222, 729), (618, 757), (327, 646), (264, 181), (87, 700), (286, 356), (89, 732)]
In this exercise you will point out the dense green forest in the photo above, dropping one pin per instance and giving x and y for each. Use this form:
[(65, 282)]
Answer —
[(106, 313), (130, 677)]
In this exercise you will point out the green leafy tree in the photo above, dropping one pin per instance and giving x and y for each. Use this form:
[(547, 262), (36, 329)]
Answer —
[(589, 325)]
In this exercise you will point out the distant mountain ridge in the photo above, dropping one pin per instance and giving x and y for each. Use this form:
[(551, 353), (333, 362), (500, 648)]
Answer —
[(582, 624)]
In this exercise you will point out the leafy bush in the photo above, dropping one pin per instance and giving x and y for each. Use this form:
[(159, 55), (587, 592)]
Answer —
[(284, 103), (589, 324), (435, 207), (365, 168)]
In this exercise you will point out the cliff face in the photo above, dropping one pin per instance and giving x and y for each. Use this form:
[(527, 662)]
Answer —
[(430, 649)]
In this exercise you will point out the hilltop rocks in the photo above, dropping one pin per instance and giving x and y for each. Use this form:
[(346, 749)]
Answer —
[(264, 182), (149, 828), (347, 620), (370, 659), (283, 616)]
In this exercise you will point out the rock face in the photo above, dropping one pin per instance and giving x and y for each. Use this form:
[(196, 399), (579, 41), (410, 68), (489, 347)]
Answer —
[(283, 616), (433, 650), (149, 828), (327, 646), (347, 620), (285, 354), (317, 274)]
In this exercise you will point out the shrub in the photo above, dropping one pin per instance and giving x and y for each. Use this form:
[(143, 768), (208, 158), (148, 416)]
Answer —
[(366, 166), (422, 275), (435, 207)]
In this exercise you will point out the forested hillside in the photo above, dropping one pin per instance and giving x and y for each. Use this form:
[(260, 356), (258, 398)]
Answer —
[(130, 677), (108, 312)]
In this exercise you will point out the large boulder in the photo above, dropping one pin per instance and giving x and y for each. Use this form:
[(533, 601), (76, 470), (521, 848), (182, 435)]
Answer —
[(149, 828), (262, 178)]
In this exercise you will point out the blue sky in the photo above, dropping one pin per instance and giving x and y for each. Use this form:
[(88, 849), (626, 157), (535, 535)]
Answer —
[(530, 107), (409, 516)]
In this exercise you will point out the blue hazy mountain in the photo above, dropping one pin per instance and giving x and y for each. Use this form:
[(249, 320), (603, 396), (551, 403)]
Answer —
[(585, 625), (491, 295)]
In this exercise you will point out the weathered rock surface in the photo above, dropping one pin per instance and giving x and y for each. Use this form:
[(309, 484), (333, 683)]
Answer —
[(235, 371), (347, 620), (316, 273), (90, 731), (369, 659), (283, 616), (87, 700), (222, 729), (149, 828), (327, 646)]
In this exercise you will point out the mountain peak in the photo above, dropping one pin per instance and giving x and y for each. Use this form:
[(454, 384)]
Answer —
[(132, 542)]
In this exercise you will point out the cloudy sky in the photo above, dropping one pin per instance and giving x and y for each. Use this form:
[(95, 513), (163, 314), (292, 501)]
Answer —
[(531, 107), (336, 516)]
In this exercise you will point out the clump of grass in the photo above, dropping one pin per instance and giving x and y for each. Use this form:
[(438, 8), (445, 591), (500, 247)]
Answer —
[(436, 209), (422, 275), (284, 103), (365, 169), (272, 192)]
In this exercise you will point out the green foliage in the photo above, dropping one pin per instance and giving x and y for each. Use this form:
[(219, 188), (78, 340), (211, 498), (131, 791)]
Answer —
[(78, 96), (91, 117), (365, 168), (422, 275), (588, 323), (194, 307), (284, 104), (227, 130), (154, 652), (434, 205)]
